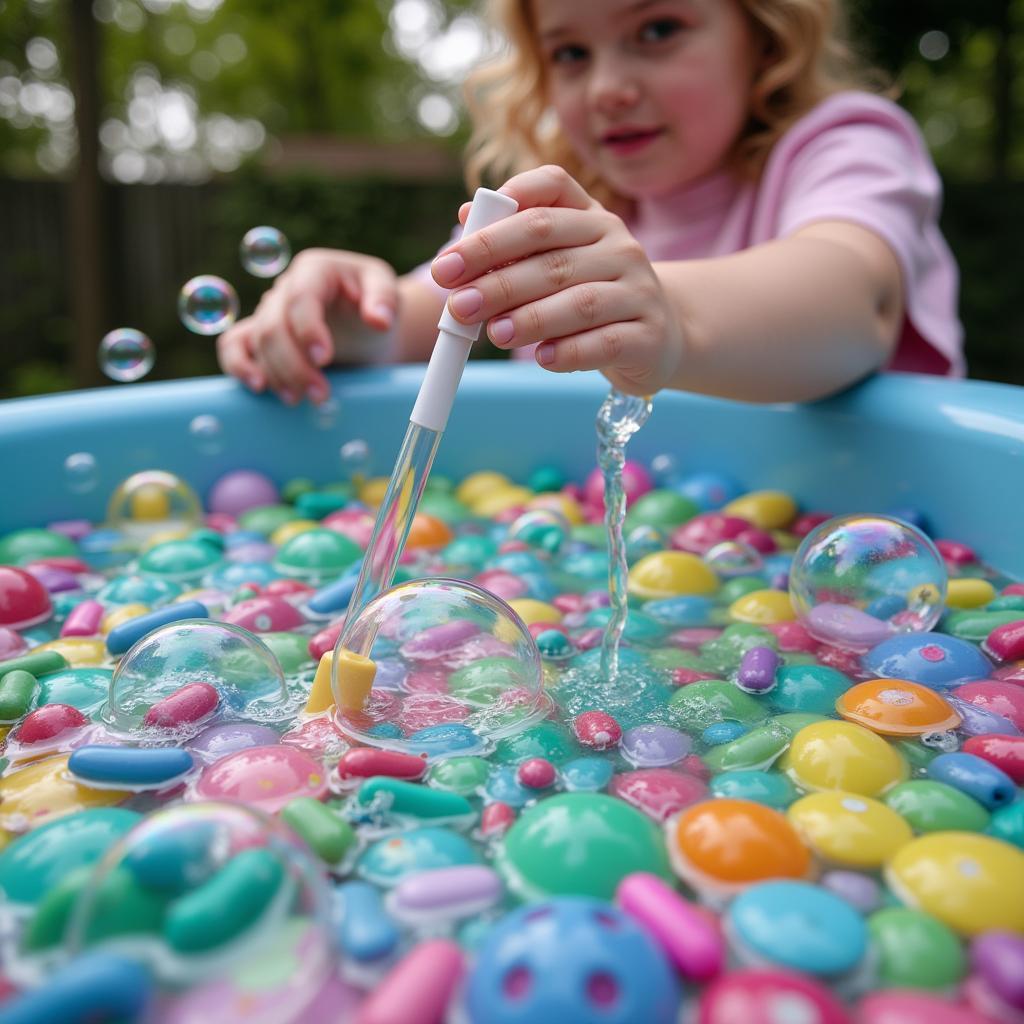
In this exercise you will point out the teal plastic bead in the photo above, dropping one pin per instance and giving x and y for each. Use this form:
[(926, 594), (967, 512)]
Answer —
[(317, 504), (463, 775), (814, 688), (317, 555), (445, 506), (226, 905), (180, 560), (389, 860), (1006, 603), (640, 628), (546, 739), (207, 536), (586, 774), (409, 799), (1008, 824), (554, 645), (975, 624), (545, 479), (151, 590), (769, 788), (36, 861), (471, 551)]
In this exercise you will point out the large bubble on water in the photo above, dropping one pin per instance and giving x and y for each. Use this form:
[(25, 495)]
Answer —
[(153, 501), (452, 668), (858, 579), (223, 903), (183, 676), (126, 355)]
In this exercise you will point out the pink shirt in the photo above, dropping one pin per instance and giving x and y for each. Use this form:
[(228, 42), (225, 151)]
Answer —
[(856, 157)]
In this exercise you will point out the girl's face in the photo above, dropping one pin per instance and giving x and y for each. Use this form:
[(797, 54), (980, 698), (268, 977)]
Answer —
[(652, 94)]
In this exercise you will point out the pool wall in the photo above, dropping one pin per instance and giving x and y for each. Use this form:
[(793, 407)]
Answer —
[(954, 449)]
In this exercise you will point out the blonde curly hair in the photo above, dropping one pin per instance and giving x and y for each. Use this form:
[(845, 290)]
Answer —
[(513, 129)]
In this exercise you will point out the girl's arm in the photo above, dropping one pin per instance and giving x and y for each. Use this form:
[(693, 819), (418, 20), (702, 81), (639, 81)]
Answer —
[(790, 320), (419, 309)]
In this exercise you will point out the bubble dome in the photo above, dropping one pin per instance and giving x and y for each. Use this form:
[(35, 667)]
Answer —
[(180, 677), (858, 579), (543, 529), (218, 893), (153, 501), (436, 655)]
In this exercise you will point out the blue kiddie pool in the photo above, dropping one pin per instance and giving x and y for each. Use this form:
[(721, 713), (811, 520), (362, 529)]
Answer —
[(796, 797)]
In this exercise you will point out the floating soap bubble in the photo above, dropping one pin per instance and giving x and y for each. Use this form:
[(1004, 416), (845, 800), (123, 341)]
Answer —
[(206, 432), (126, 355), (265, 251), (355, 458), (207, 305), (436, 653), (80, 472), (153, 501), (665, 469), (219, 897), (184, 676), (541, 528), (858, 579), (732, 558)]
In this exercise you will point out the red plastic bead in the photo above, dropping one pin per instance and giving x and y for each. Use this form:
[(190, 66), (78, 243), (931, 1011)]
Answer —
[(496, 819), (24, 601), (956, 553), (325, 640), (597, 730), (1006, 642), (189, 703), (366, 762), (537, 773), (1005, 752), (46, 722)]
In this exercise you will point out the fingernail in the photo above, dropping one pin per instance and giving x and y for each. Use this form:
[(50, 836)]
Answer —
[(315, 393), (466, 301), (385, 313), (448, 267), (287, 397), (501, 330), (546, 354), (320, 353), (253, 382)]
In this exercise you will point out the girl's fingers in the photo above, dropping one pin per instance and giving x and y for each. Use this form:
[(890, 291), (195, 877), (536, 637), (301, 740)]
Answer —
[(549, 185), (236, 357), (598, 349), (575, 308), (378, 295), (515, 238), (308, 326)]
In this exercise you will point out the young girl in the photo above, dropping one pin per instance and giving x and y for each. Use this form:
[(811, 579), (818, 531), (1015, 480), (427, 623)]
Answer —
[(709, 199)]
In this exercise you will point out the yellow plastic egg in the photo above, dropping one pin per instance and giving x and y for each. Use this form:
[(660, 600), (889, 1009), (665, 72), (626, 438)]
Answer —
[(564, 504), (969, 593), (531, 611), (162, 536), (971, 882), (896, 707), (500, 499), (670, 573), (848, 828), (292, 528), (767, 510), (122, 614), (78, 651), (150, 502), (763, 607), (841, 755), (372, 491), (44, 790), (477, 485)]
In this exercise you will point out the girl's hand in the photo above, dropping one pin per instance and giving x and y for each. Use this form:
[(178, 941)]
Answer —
[(565, 272), (287, 340)]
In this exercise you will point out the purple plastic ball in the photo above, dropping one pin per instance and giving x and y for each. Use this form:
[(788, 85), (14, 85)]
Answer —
[(237, 492)]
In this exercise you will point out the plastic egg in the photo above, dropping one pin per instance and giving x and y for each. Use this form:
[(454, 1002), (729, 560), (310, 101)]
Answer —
[(858, 579), (849, 829), (721, 846), (841, 755), (968, 881), (669, 573), (488, 668), (24, 601), (895, 707)]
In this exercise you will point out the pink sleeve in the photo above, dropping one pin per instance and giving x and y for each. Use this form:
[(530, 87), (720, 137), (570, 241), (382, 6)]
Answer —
[(861, 158), (422, 272)]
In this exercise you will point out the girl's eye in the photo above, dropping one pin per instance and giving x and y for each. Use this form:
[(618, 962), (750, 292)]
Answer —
[(568, 54), (660, 29)]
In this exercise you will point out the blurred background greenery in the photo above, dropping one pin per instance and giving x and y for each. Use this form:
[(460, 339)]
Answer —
[(140, 139)]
